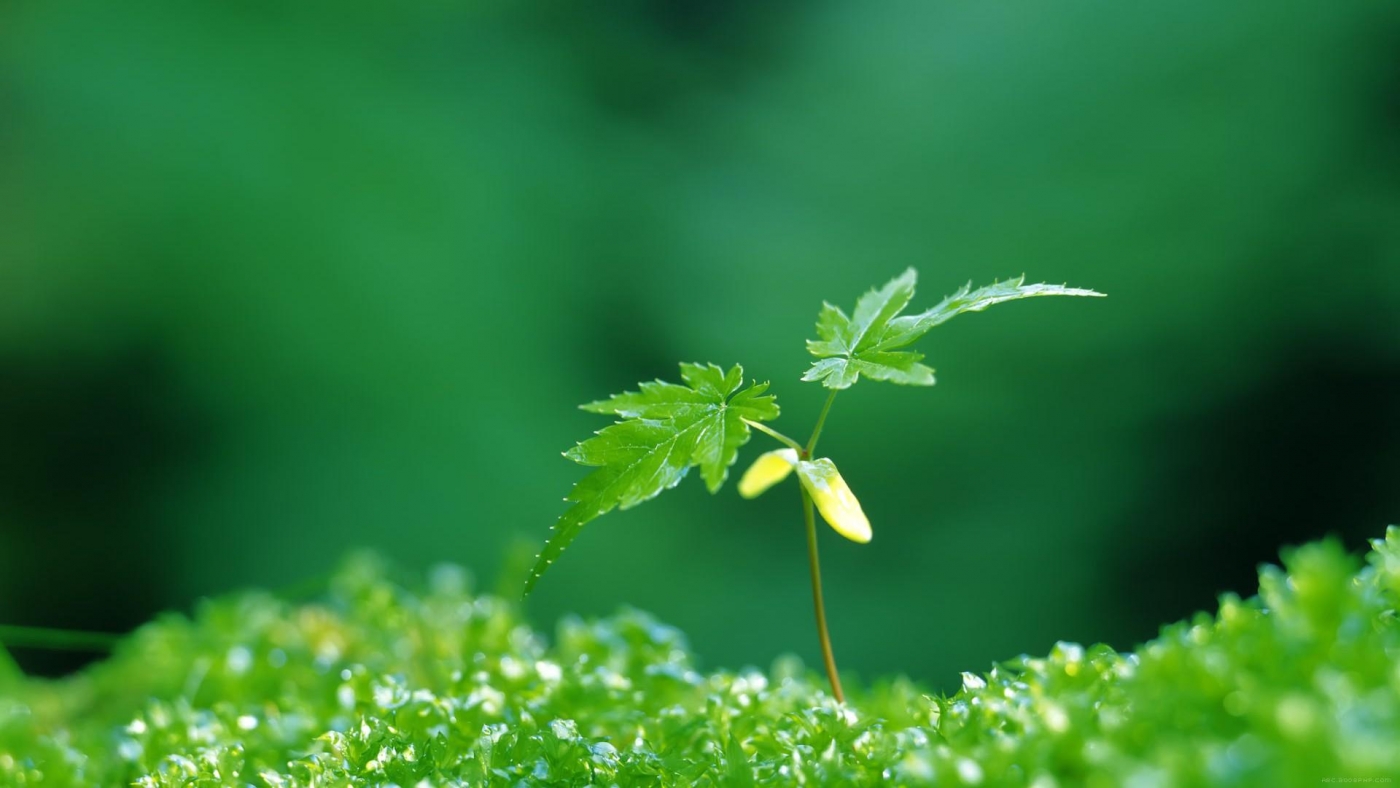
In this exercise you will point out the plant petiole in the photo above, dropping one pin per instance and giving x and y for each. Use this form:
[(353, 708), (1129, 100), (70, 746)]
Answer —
[(778, 436), (823, 634), (821, 422), (828, 656)]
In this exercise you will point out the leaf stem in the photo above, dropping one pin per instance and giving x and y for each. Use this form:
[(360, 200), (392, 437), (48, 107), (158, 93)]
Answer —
[(57, 639), (823, 634), (828, 657), (821, 422), (774, 434)]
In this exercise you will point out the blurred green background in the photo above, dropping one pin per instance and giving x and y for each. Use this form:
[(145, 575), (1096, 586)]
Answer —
[(281, 282)]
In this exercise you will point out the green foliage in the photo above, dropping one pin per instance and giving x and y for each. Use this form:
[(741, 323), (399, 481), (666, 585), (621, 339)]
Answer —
[(9, 671), (376, 685), (869, 341), (666, 430)]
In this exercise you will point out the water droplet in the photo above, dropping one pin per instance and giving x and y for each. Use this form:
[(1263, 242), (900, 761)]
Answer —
[(239, 660), (969, 771)]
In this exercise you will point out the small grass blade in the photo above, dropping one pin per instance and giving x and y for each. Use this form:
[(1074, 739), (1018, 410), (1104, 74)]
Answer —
[(10, 674), (56, 639)]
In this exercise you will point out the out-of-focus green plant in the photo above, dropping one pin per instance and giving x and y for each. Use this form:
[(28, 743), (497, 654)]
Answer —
[(666, 429), (378, 685)]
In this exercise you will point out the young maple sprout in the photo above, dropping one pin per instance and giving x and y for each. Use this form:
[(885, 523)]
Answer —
[(665, 429)]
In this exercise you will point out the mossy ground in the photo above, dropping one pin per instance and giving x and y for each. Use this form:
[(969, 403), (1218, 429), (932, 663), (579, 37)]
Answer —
[(379, 685)]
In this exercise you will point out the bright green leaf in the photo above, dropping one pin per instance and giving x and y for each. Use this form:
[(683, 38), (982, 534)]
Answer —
[(666, 429), (738, 772), (869, 341)]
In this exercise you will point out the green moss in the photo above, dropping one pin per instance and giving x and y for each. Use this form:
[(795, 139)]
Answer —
[(377, 685)]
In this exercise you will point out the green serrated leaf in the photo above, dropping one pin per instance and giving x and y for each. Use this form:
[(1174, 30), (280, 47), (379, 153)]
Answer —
[(868, 342), (666, 430)]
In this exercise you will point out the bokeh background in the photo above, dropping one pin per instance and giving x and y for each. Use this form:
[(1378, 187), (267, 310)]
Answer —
[(277, 283)]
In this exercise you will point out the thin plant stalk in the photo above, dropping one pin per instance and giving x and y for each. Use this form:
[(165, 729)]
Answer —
[(828, 657), (821, 422), (813, 563), (823, 634), (777, 436)]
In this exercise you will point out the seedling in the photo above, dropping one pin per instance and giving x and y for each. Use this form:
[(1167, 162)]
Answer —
[(665, 429)]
